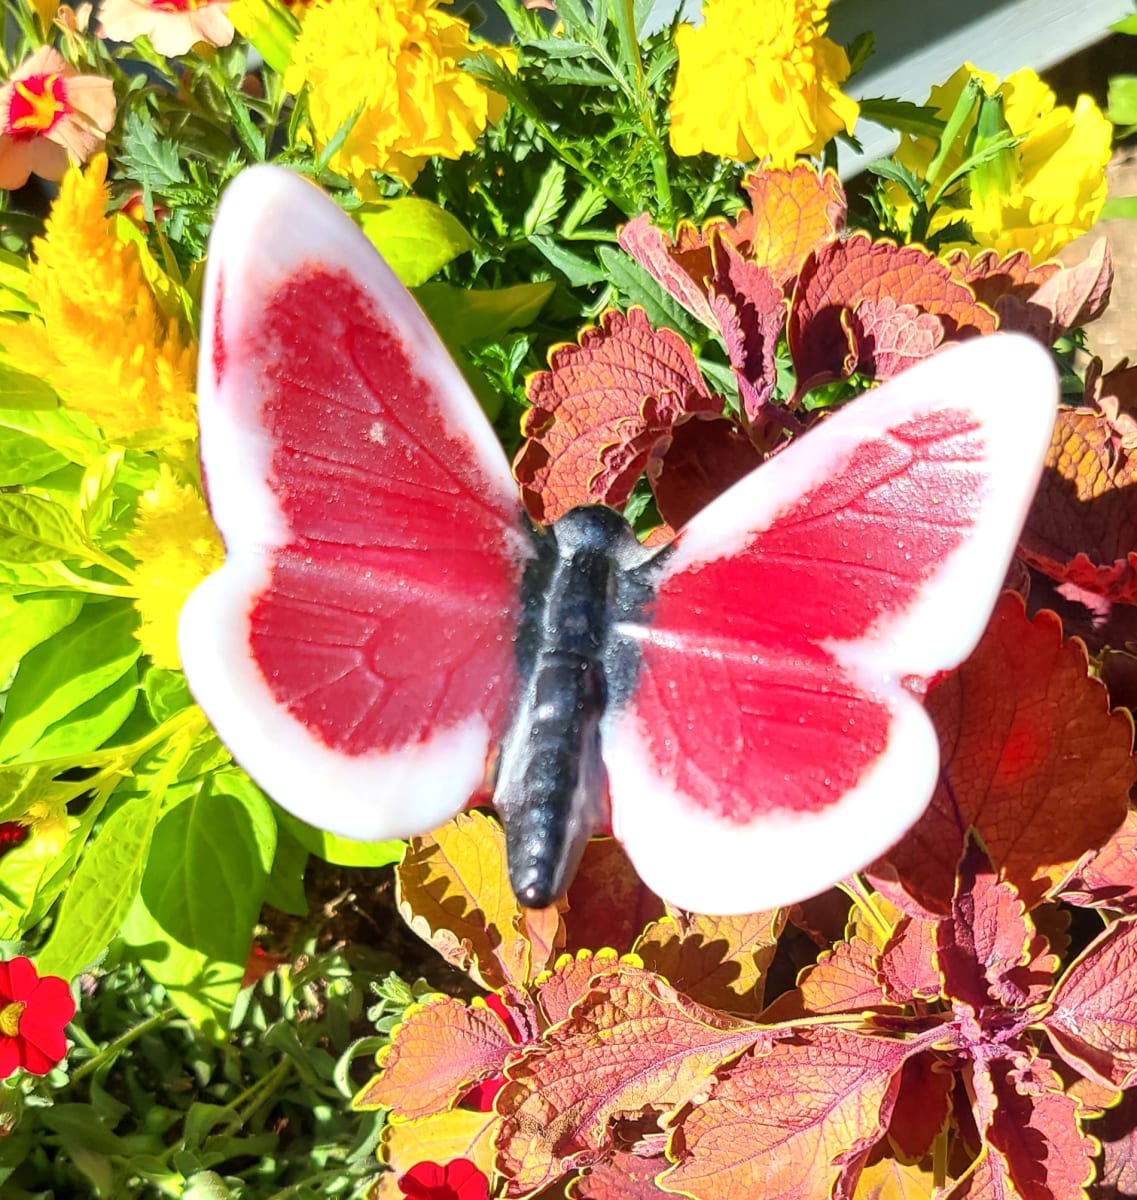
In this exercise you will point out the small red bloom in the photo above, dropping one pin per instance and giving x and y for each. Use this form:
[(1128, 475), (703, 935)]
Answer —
[(33, 1013), (456, 1180)]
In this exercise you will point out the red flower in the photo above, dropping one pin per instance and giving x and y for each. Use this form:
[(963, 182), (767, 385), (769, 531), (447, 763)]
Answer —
[(33, 1013), (457, 1180), (482, 1095)]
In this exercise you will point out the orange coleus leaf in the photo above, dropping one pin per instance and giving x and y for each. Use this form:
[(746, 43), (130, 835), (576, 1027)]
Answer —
[(602, 410), (1108, 878), (1117, 1132), (440, 1138), (907, 968), (888, 1179), (1082, 527), (1035, 1129), (1114, 395), (792, 212), (608, 903), (843, 980), (791, 1121), (630, 1044), (705, 456), (1093, 1018), (988, 952), (1030, 757), (681, 267), (453, 891), (987, 1179), (436, 1054), (861, 305), (571, 979), (717, 961)]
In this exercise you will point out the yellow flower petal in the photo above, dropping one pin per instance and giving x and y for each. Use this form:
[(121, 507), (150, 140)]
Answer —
[(176, 546), (100, 338), (759, 81)]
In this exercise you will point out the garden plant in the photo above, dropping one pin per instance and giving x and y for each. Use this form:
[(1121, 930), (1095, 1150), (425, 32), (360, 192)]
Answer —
[(625, 219)]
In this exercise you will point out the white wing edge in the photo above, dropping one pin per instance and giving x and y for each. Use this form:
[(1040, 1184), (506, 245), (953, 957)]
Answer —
[(710, 866)]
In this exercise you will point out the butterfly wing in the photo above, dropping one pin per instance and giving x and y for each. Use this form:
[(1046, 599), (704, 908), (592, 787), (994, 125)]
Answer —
[(774, 741), (355, 651)]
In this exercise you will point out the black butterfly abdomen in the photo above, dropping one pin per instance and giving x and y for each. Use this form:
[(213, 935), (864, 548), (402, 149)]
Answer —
[(550, 786)]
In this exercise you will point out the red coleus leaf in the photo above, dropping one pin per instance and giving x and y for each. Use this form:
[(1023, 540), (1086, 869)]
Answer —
[(602, 410), (923, 1105), (907, 966), (631, 1044), (1045, 301), (1108, 878), (441, 1049), (988, 952), (791, 1121), (988, 1179), (1082, 527), (705, 456), (608, 903), (623, 1175), (1117, 1133), (1092, 1022), (571, 980), (1034, 1127), (861, 305), (1114, 395), (681, 267), (457, 1180), (1030, 757), (34, 1011)]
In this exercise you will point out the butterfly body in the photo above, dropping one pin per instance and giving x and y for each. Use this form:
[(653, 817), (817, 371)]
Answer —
[(573, 664), (389, 630)]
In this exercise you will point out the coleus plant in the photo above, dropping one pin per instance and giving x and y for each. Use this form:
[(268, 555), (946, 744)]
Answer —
[(956, 1032)]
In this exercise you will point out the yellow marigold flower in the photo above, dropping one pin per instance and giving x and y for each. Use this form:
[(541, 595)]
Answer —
[(176, 546), (399, 65), (100, 339), (1051, 186), (759, 81)]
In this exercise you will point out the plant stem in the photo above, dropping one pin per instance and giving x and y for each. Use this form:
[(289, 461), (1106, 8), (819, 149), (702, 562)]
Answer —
[(120, 1043)]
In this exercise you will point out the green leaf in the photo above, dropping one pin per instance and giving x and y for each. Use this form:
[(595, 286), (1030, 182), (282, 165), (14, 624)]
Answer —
[(36, 530), (73, 435), (1120, 206), (636, 286), (147, 157), (904, 117), (92, 724), (202, 890), (63, 673), (103, 888), (579, 271), (462, 316), (285, 886), (166, 692), (1125, 25), (889, 168), (548, 200), (343, 852), (21, 390), (416, 237), (24, 459), (14, 285), (26, 621), (1123, 99)]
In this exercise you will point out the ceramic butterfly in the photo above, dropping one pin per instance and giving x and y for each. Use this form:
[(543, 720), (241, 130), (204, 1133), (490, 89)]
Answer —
[(389, 635)]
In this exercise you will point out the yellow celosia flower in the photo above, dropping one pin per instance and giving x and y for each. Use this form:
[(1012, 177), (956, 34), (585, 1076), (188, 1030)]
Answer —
[(100, 339), (393, 72), (759, 81), (176, 546), (1051, 186)]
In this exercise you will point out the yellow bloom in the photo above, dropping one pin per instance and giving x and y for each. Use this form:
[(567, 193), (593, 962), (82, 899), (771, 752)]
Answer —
[(1052, 184), (100, 339), (759, 81), (399, 66), (176, 546)]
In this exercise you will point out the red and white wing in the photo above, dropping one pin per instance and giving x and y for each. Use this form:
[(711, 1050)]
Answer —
[(355, 651), (774, 741)]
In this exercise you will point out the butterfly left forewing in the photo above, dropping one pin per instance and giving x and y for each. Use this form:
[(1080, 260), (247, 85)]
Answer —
[(772, 741), (355, 652)]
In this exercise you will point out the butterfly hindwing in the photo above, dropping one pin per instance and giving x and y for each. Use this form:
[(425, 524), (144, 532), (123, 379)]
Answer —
[(355, 652), (774, 740)]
